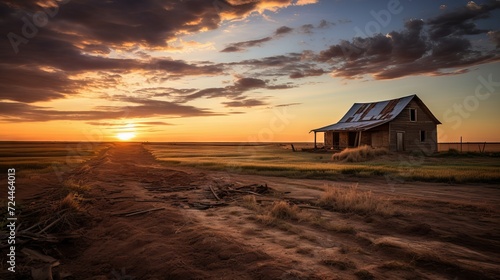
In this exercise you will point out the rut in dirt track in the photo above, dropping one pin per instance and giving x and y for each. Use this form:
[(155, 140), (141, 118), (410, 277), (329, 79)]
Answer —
[(446, 235), (164, 244)]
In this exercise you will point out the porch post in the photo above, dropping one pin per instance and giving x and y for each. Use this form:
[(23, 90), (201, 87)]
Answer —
[(315, 140), (359, 140)]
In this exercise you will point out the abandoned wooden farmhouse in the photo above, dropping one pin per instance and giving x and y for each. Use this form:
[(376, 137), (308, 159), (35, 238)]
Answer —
[(402, 124)]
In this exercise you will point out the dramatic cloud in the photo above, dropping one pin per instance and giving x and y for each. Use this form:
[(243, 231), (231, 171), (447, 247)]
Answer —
[(325, 24), (243, 46), (287, 105), (307, 28), (50, 47), (305, 2), (307, 73), (234, 92), (283, 30), (461, 21), (292, 65), (136, 124), (245, 103), (139, 108), (26, 84), (495, 37), (119, 51), (415, 50), (232, 9)]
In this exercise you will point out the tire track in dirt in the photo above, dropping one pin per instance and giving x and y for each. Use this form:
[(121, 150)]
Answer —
[(168, 244), (442, 232)]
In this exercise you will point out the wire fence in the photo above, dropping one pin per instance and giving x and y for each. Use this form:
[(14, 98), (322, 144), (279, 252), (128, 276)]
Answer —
[(478, 147)]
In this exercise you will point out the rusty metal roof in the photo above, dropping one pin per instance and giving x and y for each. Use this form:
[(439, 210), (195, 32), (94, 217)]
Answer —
[(363, 116)]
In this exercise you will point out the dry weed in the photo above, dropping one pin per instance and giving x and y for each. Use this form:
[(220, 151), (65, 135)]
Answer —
[(285, 211), (359, 154), (71, 202), (76, 186), (249, 202), (354, 200)]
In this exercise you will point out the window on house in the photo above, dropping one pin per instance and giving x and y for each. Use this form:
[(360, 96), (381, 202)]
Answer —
[(413, 115), (422, 135)]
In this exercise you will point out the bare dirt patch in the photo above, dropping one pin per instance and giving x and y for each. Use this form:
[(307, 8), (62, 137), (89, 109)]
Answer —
[(140, 218)]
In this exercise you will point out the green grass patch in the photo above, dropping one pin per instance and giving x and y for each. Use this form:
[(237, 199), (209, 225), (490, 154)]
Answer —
[(273, 160)]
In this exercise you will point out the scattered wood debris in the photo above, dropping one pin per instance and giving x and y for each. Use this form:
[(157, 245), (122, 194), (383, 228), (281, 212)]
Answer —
[(137, 212)]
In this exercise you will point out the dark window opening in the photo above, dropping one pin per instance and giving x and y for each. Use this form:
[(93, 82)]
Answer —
[(422, 135), (336, 140), (351, 140), (413, 115)]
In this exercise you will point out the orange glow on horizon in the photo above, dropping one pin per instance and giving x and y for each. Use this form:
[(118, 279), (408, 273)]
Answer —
[(125, 136)]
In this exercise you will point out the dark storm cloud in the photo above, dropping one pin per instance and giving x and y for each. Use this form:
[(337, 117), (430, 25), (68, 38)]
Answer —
[(243, 46), (433, 48), (461, 21)]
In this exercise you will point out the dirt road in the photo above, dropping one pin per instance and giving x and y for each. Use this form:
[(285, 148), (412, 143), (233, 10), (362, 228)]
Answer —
[(439, 232)]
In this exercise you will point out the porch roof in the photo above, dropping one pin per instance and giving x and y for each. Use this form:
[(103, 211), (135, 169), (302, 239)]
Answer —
[(351, 126)]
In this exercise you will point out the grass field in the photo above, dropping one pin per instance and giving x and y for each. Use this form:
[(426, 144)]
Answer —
[(274, 159), (28, 156)]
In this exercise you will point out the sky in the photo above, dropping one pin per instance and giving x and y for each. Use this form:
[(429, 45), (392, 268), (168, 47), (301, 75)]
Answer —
[(241, 70)]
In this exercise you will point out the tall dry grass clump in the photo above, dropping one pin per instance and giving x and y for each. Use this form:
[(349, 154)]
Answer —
[(70, 202), (72, 185), (283, 210), (352, 199), (359, 154), (249, 202)]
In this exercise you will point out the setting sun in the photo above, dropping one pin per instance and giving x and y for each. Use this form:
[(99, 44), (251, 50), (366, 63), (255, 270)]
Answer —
[(126, 132), (124, 136)]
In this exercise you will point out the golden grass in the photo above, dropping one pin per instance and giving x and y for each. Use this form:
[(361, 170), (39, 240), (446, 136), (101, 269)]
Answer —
[(76, 186), (351, 199), (249, 202), (359, 154), (283, 210), (275, 161), (70, 202)]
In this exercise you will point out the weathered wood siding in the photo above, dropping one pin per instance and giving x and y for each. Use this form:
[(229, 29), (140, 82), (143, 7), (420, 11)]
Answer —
[(412, 130), (380, 136), (343, 140), (366, 138), (329, 139)]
